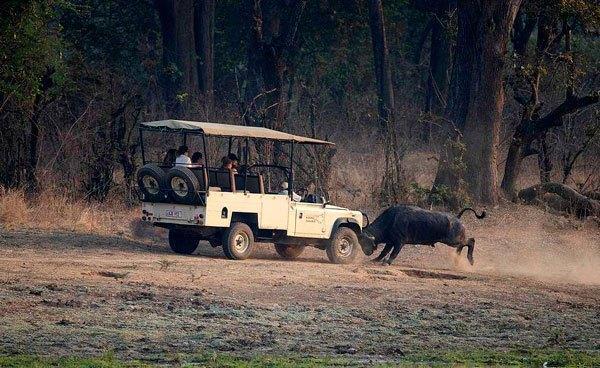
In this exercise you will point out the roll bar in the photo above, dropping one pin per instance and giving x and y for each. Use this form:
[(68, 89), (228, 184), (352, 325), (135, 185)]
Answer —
[(184, 134)]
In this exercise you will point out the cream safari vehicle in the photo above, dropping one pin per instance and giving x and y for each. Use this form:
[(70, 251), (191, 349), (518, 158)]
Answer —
[(236, 209)]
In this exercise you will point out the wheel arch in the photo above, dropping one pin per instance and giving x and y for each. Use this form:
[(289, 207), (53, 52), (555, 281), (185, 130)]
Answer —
[(248, 218), (348, 222)]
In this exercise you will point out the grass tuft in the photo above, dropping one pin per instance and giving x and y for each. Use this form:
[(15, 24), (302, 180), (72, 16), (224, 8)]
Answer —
[(13, 208)]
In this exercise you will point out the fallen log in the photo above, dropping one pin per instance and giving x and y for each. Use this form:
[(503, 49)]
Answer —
[(572, 201)]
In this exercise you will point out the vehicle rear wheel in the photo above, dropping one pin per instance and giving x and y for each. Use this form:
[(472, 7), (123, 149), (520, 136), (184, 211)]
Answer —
[(289, 251), (343, 246), (182, 242), (238, 241)]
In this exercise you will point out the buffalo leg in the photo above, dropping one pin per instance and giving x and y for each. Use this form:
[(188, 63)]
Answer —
[(397, 248), (384, 252), (470, 248)]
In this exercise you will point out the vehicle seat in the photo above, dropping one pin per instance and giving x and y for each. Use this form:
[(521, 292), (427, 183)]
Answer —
[(202, 175), (225, 180), (250, 183), (313, 198)]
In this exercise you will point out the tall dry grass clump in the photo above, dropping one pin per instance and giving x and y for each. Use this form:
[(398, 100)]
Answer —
[(53, 210), (14, 212)]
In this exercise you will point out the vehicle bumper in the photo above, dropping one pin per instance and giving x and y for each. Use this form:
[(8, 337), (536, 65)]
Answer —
[(178, 214)]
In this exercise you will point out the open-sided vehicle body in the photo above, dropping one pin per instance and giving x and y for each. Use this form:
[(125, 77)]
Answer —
[(234, 209)]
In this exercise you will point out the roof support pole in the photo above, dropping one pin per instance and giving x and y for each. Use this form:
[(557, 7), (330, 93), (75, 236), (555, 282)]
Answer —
[(205, 155), (142, 147), (291, 174)]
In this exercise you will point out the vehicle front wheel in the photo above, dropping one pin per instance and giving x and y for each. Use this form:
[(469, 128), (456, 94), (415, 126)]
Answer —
[(289, 251), (343, 246), (238, 241), (182, 242)]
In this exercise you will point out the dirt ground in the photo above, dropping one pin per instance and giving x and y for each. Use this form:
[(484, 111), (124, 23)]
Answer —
[(535, 284)]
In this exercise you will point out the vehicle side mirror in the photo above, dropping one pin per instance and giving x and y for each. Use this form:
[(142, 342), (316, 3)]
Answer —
[(325, 201)]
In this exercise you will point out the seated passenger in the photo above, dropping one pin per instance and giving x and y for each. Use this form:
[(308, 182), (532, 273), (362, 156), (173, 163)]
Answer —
[(197, 159), (227, 164), (234, 161), (183, 159), (285, 191), (170, 157)]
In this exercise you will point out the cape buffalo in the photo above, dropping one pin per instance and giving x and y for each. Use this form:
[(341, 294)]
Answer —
[(404, 224)]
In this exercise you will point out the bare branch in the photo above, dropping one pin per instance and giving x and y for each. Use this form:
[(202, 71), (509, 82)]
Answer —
[(569, 106)]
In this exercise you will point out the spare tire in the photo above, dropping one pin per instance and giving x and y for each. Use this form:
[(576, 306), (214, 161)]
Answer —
[(151, 181), (183, 185)]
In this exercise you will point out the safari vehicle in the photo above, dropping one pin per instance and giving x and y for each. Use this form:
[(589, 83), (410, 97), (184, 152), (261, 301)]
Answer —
[(235, 209)]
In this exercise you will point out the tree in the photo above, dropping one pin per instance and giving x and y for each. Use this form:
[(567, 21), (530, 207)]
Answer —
[(440, 57), (529, 137), (523, 27), (272, 33), (477, 95), (180, 67), (31, 74), (391, 186), (383, 71), (204, 31)]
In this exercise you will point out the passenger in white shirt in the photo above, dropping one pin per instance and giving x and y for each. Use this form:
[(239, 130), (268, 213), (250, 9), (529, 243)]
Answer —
[(183, 159), (285, 191)]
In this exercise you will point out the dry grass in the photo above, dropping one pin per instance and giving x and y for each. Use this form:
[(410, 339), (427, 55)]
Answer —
[(13, 208), (56, 211)]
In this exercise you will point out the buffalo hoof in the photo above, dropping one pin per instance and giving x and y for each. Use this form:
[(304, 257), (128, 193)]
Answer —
[(471, 261), (386, 262)]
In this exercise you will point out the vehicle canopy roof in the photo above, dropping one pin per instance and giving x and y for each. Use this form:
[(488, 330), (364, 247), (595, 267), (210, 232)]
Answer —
[(227, 130)]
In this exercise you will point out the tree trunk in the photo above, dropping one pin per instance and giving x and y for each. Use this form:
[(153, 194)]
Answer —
[(544, 161), (392, 189), (381, 60), (439, 64), (204, 30), (272, 33), (39, 104), (477, 95), (34, 137), (523, 28), (179, 49), (492, 23), (512, 167)]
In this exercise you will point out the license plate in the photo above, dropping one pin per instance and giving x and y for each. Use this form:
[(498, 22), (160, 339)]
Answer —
[(173, 213)]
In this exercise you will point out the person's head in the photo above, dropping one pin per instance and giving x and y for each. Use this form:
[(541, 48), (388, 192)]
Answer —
[(234, 159), (284, 185), (226, 163), (170, 157), (183, 150), (196, 157)]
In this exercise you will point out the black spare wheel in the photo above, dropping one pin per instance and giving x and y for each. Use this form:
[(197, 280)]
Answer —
[(238, 241), (183, 185), (183, 242), (343, 246), (289, 251), (151, 181)]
